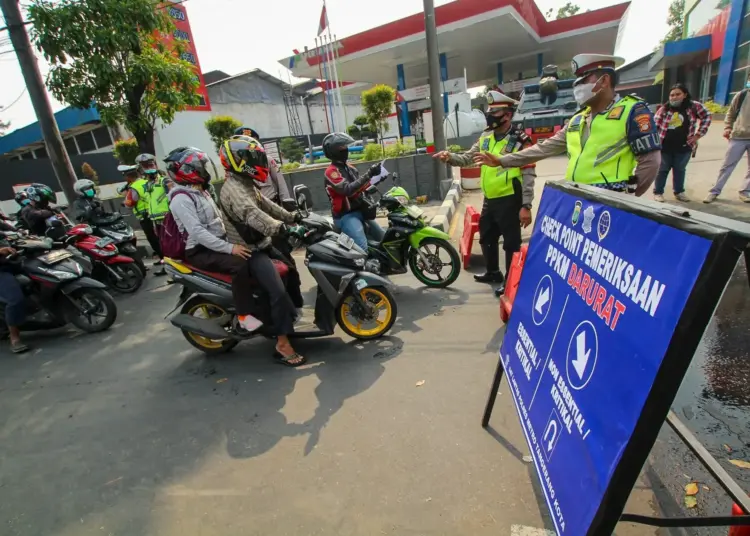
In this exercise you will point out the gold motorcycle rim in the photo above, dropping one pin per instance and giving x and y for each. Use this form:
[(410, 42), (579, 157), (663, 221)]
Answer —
[(208, 311), (384, 311)]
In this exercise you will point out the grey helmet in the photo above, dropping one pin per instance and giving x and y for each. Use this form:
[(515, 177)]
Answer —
[(143, 158), (85, 188)]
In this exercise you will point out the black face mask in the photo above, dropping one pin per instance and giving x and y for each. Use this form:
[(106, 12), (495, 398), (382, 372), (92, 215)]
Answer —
[(496, 122)]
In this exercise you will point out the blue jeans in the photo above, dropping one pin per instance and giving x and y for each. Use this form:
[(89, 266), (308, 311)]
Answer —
[(353, 224), (676, 162), (12, 296)]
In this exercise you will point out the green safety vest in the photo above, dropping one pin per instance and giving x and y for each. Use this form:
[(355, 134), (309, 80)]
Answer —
[(498, 182), (606, 157), (158, 201), (141, 207)]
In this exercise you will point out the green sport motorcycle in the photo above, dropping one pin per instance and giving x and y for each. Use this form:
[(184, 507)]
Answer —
[(410, 241)]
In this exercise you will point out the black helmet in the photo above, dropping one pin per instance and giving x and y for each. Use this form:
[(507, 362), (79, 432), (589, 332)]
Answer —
[(336, 146), (41, 194), (247, 131)]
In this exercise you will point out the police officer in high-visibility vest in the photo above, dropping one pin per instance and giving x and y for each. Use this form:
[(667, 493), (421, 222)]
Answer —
[(612, 141), (136, 198), (508, 193), (156, 188)]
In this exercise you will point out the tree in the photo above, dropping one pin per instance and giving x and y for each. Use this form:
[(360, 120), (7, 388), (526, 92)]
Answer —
[(378, 103), (675, 19), (91, 174), (110, 54), (568, 10), (291, 149), (221, 128), (126, 150)]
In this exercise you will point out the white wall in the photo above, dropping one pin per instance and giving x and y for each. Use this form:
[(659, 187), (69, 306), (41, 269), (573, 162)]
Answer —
[(187, 130)]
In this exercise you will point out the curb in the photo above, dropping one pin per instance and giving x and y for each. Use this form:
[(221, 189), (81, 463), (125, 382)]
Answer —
[(442, 220)]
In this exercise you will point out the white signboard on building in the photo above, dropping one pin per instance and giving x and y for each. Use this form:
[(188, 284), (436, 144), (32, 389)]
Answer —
[(419, 93)]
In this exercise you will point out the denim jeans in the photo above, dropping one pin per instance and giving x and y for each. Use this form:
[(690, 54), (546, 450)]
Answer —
[(737, 149), (12, 296), (676, 162), (353, 224)]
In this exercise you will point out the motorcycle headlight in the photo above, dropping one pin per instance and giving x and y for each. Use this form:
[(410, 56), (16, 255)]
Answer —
[(62, 275), (104, 252), (373, 265), (402, 200)]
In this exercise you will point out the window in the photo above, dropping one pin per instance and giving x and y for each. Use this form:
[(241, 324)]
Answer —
[(102, 137), (70, 146), (27, 156), (745, 30), (738, 80), (742, 58), (41, 152), (85, 142)]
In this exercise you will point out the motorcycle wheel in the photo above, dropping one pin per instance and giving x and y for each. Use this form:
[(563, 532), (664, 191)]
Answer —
[(97, 305), (131, 278), (431, 248), (203, 308), (352, 318)]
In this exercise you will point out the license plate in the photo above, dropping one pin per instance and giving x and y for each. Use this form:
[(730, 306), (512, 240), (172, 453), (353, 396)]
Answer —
[(55, 256), (345, 241), (103, 242), (543, 130), (360, 284)]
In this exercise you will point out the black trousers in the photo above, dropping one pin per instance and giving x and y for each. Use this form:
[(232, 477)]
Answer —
[(148, 229), (258, 267), (500, 218)]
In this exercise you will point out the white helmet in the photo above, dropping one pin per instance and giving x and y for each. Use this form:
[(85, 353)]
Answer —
[(84, 188)]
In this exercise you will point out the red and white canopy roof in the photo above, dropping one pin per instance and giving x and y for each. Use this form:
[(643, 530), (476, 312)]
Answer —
[(475, 34)]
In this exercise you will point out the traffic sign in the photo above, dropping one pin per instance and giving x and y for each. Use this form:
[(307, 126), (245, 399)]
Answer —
[(602, 292)]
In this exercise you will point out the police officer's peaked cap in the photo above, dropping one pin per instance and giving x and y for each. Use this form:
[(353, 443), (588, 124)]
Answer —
[(585, 64), (125, 169), (497, 101)]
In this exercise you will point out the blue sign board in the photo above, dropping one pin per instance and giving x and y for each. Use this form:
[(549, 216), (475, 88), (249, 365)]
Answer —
[(601, 293)]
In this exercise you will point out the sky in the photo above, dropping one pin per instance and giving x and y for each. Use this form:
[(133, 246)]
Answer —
[(234, 37)]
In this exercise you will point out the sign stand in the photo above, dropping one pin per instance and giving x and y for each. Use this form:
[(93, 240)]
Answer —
[(594, 359)]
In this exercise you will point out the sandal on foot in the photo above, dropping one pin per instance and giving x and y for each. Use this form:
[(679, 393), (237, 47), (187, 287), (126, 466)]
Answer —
[(18, 347), (289, 361)]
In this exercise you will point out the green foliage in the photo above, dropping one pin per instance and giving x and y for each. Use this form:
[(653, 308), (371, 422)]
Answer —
[(394, 151), (353, 131), (126, 150), (455, 148), (291, 149), (90, 174), (568, 10), (291, 166), (221, 128), (715, 108), (361, 121), (675, 19), (378, 103), (108, 55), (373, 151), (421, 144)]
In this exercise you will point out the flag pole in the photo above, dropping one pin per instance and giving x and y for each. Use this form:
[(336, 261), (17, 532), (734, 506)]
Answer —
[(329, 93), (336, 51), (334, 89), (320, 70), (333, 66)]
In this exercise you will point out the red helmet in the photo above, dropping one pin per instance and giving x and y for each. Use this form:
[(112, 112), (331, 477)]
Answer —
[(245, 157), (188, 165)]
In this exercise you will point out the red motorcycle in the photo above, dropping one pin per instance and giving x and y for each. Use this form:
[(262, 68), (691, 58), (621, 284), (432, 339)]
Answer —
[(117, 271)]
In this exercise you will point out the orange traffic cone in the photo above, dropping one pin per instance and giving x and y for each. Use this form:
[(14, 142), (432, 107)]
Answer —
[(738, 531)]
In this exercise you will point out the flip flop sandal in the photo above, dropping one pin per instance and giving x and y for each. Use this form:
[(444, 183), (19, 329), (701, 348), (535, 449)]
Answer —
[(287, 361), (19, 348)]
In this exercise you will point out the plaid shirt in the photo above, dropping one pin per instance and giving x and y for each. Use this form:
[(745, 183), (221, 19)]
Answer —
[(696, 112)]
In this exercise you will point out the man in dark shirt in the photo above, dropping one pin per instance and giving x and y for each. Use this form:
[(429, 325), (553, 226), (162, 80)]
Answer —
[(12, 296)]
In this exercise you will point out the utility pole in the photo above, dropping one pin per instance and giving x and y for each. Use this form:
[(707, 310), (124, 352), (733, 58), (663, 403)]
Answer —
[(27, 60), (436, 100)]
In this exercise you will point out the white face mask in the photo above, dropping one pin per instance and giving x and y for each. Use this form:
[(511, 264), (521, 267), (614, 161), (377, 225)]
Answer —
[(584, 93)]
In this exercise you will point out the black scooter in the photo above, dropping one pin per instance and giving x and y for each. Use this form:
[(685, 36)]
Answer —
[(358, 300), (56, 289)]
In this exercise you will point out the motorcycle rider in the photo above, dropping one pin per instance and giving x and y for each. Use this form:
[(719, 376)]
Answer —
[(351, 208), (87, 207), (22, 199), (276, 188), (12, 296), (197, 215), (136, 199), (36, 213), (158, 202), (254, 220)]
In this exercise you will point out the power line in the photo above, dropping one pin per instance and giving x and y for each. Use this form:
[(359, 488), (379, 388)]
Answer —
[(5, 108)]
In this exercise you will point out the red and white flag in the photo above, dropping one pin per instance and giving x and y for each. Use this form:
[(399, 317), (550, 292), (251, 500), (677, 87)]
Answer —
[(323, 20)]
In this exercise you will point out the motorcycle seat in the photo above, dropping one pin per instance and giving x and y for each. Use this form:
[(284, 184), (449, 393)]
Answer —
[(281, 268)]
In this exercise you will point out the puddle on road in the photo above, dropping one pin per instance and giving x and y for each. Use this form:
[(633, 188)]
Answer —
[(714, 399)]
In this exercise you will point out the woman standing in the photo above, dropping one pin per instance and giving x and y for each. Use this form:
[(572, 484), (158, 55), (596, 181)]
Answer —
[(678, 124)]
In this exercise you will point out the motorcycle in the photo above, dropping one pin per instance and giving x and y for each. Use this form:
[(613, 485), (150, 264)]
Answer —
[(117, 271), (113, 226), (408, 240), (359, 301), (56, 289)]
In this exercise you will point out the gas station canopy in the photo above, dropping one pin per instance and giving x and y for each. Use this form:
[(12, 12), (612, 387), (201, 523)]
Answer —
[(494, 40)]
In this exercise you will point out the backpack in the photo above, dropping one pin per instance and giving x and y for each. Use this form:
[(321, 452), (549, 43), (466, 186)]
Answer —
[(171, 240), (743, 94)]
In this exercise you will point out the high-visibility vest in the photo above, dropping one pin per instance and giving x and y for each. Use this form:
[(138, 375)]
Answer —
[(158, 201), (606, 157), (141, 207), (498, 181)]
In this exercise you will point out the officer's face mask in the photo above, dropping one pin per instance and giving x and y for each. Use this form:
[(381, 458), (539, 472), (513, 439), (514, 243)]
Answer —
[(585, 93), (497, 121)]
